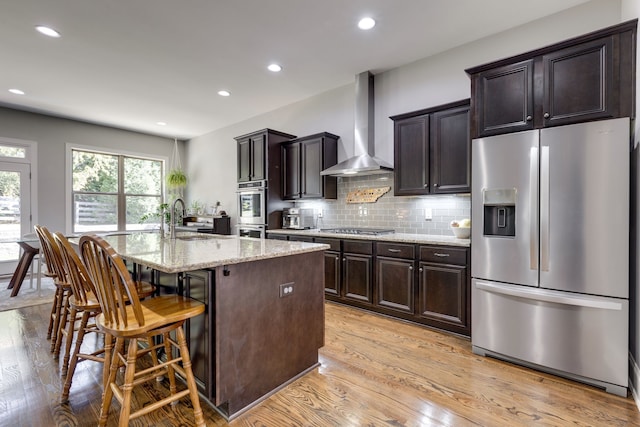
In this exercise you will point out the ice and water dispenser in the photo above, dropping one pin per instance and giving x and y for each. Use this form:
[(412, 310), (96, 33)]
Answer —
[(499, 212)]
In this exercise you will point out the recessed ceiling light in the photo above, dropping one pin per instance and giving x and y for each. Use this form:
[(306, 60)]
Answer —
[(224, 93), (366, 23), (47, 31), (16, 91), (274, 67), (161, 123)]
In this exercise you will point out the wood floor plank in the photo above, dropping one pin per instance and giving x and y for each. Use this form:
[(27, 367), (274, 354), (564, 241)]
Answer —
[(374, 371)]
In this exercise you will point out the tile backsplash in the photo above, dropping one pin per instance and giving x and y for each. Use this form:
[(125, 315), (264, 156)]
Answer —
[(403, 214)]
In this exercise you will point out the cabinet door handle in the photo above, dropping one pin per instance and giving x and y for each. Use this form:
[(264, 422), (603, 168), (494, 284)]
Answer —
[(344, 259), (425, 185), (547, 115), (410, 267), (395, 251), (337, 258), (435, 184), (529, 118), (420, 270), (441, 255)]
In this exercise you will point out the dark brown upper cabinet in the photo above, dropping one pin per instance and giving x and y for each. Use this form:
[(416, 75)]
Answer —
[(506, 94), (450, 151), (302, 161), (432, 150), (585, 78), (259, 156)]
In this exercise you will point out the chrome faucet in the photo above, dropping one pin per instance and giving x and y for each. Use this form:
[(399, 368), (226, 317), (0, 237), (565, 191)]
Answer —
[(172, 224)]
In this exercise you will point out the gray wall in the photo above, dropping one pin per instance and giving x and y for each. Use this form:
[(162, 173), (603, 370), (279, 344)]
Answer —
[(51, 135), (429, 82)]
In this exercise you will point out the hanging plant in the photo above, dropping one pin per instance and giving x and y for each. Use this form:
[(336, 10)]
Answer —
[(176, 177)]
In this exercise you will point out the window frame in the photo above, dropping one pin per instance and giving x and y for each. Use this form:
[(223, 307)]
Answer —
[(121, 195)]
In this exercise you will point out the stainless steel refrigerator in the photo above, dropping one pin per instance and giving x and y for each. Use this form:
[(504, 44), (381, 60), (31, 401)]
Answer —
[(550, 250)]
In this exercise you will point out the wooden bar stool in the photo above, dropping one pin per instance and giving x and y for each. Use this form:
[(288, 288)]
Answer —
[(59, 307), (83, 301), (127, 318)]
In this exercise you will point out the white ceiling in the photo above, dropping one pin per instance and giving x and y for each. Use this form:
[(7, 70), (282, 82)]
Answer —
[(132, 63)]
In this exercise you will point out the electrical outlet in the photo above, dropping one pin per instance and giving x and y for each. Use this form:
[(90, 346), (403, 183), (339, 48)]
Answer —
[(428, 214), (286, 289)]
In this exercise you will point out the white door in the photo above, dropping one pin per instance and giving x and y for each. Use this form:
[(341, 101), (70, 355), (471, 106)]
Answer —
[(15, 212)]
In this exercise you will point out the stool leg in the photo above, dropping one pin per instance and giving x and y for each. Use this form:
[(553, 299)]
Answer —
[(170, 371), (108, 352), (64, 318), (54, 308), (108, 391), (74, 358), (31, 273), (127, 386), (191, 382), (70, 333), (39, 277)]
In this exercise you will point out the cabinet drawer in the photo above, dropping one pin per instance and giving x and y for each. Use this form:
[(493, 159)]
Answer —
[(444, 255), (358, 247), (334, 243), (395, 250)]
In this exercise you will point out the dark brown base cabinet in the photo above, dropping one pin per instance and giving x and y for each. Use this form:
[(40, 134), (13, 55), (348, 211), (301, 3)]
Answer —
[(395, 276), (425, 284), (357, 270), (443, 288)]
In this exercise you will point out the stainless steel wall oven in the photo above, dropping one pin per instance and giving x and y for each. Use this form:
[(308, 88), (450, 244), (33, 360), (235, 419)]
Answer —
[(252, 203)]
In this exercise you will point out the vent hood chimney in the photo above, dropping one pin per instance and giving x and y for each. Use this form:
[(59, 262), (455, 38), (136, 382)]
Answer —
[(364, 161)]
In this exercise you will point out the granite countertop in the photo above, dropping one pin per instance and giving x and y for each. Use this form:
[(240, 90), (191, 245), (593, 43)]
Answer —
[(430, 239), (195, 251)]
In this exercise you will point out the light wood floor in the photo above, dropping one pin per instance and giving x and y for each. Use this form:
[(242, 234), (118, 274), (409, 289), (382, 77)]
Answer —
[(374, 372)]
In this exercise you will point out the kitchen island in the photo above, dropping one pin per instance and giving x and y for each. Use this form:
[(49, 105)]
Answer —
[(264, 321)]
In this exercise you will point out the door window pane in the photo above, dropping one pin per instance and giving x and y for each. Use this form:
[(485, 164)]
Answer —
[(9, 151), (9, 215)]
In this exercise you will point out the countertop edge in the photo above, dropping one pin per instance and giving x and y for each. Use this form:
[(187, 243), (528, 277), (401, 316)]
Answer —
[(427, 239), (315, 247)]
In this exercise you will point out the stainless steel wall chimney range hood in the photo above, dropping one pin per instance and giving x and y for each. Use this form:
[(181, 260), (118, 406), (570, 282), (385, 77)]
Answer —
[(364, 161)]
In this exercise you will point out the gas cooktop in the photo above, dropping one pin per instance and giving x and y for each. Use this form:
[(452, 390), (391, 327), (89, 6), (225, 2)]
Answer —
[(358, 230)]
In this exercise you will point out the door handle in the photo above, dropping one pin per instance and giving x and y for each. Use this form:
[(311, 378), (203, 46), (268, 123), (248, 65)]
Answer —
[(555, 297), (544, 208), (533, 208)]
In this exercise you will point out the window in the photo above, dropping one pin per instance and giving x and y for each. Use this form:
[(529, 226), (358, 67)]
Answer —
[(113, 192)]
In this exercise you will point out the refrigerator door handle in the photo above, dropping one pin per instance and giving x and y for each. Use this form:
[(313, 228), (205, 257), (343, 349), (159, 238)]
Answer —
[(533, 203), (544, 208), (556, 297)]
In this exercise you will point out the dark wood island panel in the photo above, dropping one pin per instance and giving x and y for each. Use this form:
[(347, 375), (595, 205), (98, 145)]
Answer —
[(264, 340)]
